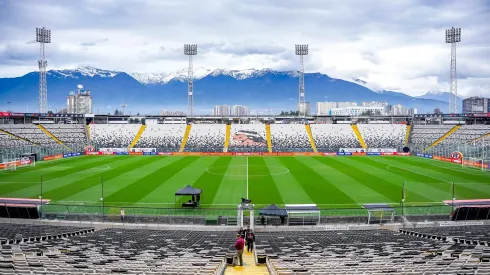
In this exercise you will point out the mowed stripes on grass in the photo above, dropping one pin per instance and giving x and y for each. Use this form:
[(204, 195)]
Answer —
[(329, 182)]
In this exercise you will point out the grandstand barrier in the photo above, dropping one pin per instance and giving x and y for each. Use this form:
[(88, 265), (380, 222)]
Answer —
[(227, 215)]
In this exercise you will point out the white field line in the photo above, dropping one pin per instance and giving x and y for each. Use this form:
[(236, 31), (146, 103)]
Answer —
[(479, 173), (422, 174)]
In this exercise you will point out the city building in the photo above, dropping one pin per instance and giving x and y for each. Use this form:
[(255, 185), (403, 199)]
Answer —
[(239, 110), (79, 102), (222, 110), (305, 109), (437, 111), (399, 110), (358, 111), (346, 104), (412, 111), (373, 104), (171, 113), (325, 108), (476, 105)]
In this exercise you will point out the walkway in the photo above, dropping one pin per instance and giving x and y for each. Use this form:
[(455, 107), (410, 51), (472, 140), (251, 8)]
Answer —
[(248, 267)]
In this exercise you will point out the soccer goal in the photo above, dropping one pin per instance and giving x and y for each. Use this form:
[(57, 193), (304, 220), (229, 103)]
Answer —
[(476, 163), (14, 164)]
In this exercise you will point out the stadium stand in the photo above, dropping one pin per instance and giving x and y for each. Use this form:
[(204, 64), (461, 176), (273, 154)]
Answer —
[(290, 138), (30, 132), (163, 137), (70, 134), (206, 138), (247, 137), (366, 252), (383, 135), (425, 135), (16, 233), (113, 135), (331, 137), (8, 141), (125, 251), (469, 234), (466, 133)]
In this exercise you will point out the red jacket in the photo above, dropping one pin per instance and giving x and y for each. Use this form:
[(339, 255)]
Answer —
[(239, 244)]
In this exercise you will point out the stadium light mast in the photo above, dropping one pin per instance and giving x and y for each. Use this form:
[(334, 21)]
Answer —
[(123, 106), (43, 36), (190, 50), (301, 50), (453, 36)]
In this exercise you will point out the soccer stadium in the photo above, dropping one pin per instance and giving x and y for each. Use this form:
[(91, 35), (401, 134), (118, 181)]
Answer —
[(375, 188)]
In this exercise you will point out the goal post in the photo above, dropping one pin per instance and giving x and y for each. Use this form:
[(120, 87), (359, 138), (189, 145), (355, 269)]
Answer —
[(14, 164), (477, 163)]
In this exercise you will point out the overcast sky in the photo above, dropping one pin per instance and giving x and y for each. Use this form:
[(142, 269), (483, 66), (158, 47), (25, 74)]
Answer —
[(393, 45)]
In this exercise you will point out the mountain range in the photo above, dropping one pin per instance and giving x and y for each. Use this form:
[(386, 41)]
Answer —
[(149, 93)]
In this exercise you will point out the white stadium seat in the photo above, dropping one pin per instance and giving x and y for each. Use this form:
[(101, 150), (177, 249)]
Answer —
[(206, 138), (290, 137), (332, 137), (163, 137)]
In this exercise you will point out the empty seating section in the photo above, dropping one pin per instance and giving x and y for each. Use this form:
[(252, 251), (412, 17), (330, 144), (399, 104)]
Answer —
[(206, 138), (331, 137), (30, 132), (464, 134), (70, 134), (424, 135), (383, 135), (247, 137), (122, 251), (113, 135), (11, 233), (367, 252), (163, 137), (290, 138), (470, 233), (8, 141)]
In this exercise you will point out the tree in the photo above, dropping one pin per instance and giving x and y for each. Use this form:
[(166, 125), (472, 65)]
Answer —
[(138, 114), (282, 113), (136, 120), (50, 112), (116, 112), (143, 121), (131, 120)]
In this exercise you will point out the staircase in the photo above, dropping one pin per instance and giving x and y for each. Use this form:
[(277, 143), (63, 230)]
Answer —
[(310, 136), (137, 137), (482, 137), (87, 131), (18, 137), (407, 134), (268, 137), (227, 138), (52, 136), (249, 266), (358, 135), (186, 136), (450, 132)]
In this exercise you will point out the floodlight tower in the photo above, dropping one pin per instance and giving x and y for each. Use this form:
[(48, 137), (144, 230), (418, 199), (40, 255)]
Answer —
[(190, 50), (123, 106), (301, 50), (453, 36), (43, 36)]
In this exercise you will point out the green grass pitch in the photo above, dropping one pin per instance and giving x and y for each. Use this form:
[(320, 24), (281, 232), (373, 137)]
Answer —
[(329, 182)]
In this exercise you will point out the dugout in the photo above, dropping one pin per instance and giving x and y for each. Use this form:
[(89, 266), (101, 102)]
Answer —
[(465, 210), (379, 213), (196, 194), (303, 214)]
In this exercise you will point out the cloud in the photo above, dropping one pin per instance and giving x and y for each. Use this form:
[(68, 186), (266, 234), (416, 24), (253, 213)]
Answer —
[(388, 44)]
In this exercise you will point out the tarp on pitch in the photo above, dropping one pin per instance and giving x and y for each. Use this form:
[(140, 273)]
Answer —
[(273, 210), (188, 191)]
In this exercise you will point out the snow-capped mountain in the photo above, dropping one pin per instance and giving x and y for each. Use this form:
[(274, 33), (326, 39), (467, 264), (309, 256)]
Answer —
[(199, 73), (144, 92), (83, 71)]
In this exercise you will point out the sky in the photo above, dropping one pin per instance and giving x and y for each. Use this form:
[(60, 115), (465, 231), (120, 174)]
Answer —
[(392, 45)]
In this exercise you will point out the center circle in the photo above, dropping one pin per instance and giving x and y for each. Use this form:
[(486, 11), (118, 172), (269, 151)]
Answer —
[(250, 170)]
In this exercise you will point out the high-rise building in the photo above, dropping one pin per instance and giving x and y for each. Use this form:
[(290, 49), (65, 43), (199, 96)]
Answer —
[(239, 110), (476, 105), (305, 109), (399, 110), (222, 110), (171, 113), (79, 102), (325, 108), (358, 111), (373, 104), (346, 104), (412, 111)]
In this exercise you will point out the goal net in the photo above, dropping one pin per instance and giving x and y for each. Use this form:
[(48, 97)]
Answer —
[(477, 163), (14, 164)]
